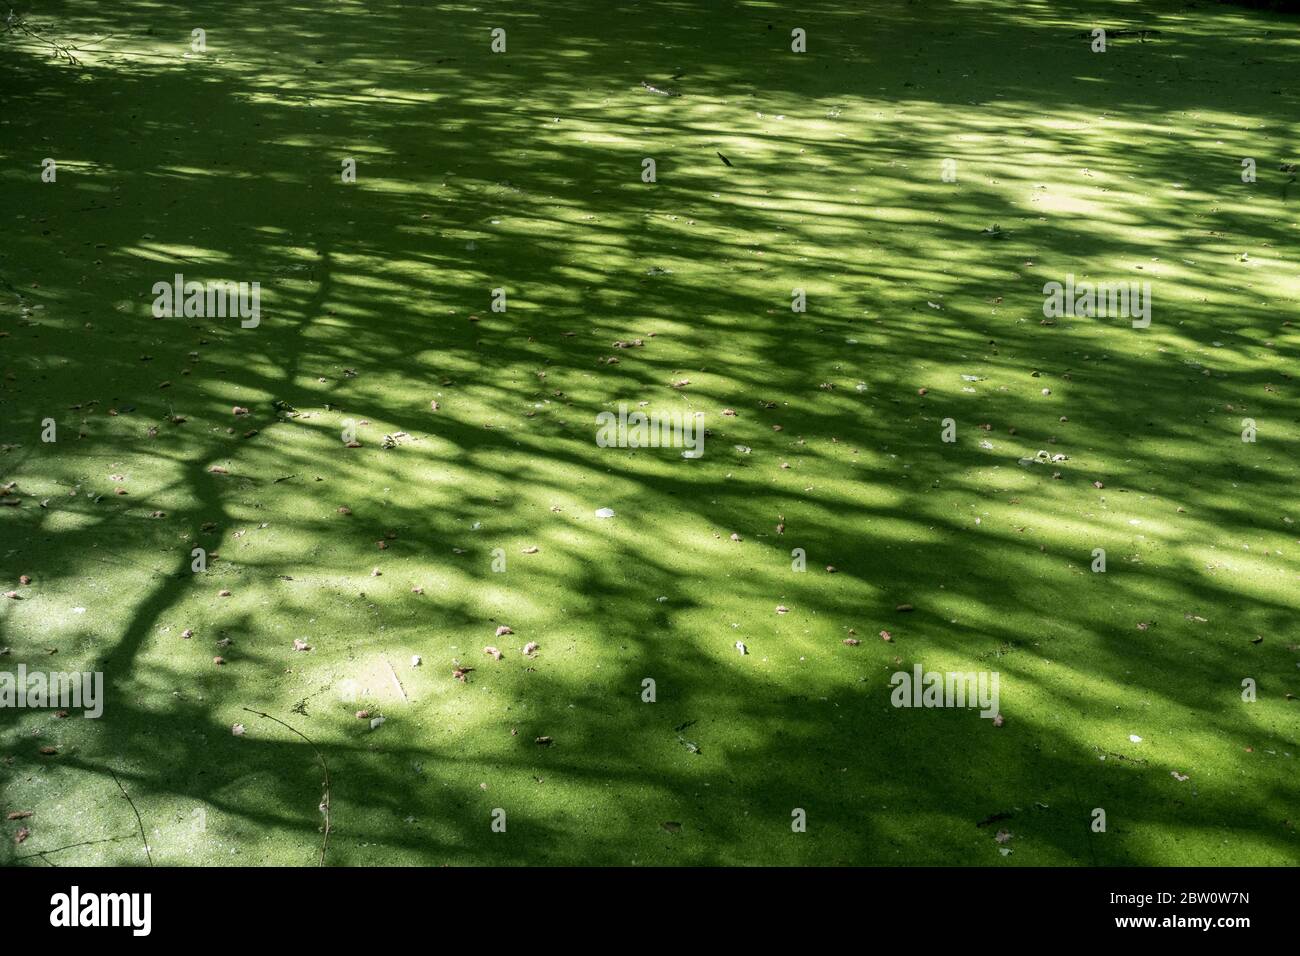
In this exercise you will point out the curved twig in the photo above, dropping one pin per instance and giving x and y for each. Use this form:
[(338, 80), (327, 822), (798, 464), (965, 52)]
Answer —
[(143, 839), (325, 797), (44, 854)]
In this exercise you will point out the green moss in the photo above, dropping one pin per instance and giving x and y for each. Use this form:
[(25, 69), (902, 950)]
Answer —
[(522, 170)]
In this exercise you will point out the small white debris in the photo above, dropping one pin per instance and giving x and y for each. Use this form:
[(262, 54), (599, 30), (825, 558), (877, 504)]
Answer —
[(604, 512), (415, 660), (376, 723), (740, 646), (1134, 738)]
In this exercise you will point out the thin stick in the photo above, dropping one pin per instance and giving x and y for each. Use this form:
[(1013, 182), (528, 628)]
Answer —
[(107, 36), (325, 797), (143, 838), (71, 846)]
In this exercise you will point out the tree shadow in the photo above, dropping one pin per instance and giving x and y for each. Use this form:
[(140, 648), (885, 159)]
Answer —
[(522, 172)]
